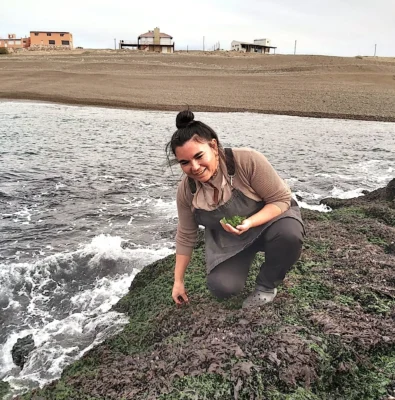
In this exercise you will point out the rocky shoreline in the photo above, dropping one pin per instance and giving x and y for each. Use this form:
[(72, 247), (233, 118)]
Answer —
[(329, 334)]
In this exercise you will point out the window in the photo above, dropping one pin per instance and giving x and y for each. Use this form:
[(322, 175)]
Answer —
[(65, 43), (52, 42), (49, 34), (62, 34), (35, 33)]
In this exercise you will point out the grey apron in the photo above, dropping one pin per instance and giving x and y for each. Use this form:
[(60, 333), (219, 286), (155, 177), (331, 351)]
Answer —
[(221, 245)]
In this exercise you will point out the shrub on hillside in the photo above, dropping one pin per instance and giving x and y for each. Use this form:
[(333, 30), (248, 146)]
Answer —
[(3, 50)]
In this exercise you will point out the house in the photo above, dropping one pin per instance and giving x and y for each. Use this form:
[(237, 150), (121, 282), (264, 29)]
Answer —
[(12, 42), (259, 46), (50, 40), (151, 41)]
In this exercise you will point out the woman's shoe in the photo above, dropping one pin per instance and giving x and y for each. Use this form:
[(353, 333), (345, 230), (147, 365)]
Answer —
[(259, 297)]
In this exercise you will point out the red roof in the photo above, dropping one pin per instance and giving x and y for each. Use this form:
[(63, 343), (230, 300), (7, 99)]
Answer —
[(151, 34)]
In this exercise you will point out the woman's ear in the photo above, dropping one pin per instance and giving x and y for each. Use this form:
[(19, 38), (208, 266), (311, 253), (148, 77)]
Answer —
[(214, 144)]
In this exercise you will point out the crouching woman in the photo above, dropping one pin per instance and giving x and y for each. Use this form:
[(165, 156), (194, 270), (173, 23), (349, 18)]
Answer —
[(222, 183)]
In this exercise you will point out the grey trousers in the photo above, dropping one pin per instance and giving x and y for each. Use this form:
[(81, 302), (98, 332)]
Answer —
[(282, 244)]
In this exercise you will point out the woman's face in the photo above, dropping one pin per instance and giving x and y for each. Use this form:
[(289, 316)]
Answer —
[(198, 160)]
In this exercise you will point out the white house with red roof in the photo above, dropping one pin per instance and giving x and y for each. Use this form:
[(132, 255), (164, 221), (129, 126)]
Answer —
[(152, 41)]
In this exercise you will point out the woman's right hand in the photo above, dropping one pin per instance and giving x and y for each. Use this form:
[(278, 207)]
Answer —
[(179, 294)]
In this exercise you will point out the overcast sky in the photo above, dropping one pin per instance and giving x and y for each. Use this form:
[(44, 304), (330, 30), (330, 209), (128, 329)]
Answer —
[(331, 27)]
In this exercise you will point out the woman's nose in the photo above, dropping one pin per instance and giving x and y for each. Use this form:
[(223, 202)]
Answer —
[(195, 165)]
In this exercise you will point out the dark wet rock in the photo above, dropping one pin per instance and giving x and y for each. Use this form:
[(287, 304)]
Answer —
[(383, 194), (386, 194), (127, 245), (21, 350), (391, 248), (298, 197), (390, 191)]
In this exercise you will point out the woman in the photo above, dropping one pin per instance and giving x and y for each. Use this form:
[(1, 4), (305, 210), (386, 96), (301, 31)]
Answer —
[(224, 183)]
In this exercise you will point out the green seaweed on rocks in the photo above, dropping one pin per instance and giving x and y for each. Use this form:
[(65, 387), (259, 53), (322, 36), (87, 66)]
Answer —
[(4, 388)]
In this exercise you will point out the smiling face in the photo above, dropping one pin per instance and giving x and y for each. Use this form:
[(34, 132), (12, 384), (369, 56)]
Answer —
[(198, 160)]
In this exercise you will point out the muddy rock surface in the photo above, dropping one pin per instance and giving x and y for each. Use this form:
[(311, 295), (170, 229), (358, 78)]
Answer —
[(328, 335)]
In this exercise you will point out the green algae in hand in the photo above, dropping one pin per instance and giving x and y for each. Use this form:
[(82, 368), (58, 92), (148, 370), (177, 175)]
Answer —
[(233, 221)]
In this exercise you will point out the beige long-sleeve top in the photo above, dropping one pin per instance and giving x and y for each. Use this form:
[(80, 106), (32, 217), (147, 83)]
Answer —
[(254, 177)]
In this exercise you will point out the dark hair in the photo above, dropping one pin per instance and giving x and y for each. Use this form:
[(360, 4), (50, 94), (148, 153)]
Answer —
[(188, 128)]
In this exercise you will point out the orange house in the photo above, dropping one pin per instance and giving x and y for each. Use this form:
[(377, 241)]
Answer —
[(39, 39), (12, 42)]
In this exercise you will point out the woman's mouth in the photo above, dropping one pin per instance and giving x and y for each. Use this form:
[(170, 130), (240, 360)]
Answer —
[(200, 173)]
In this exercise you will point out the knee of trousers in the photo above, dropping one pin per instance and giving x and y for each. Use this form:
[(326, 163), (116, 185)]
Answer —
[(223, 287), (289, 234)]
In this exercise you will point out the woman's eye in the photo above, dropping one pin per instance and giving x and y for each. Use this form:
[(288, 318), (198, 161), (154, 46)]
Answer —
[(199, 156), (183, 162)]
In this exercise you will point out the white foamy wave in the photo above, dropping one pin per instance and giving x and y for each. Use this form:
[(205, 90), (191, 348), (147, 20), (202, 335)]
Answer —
[(109, 247), (324, 175), (290, 181), (167, 207), (104, 295), (367, 175), (104, 325), (59, 186), (316, 207), (105, 247), (58, 344), (64, 301), (141, 202), (37, 280), (308, 195), (161, 205), (335, 192), (374, 173), (346, 194), (30, 278), (24, 216)]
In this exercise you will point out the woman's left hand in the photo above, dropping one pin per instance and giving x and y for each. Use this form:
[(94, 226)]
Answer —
[(244, 227)]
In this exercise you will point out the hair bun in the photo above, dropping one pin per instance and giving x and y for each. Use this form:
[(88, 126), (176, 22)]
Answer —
[(184, 118)]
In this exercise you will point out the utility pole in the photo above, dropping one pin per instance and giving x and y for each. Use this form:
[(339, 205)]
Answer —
[(203, 43), (295, 47), (115, 44), (375, 48)]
